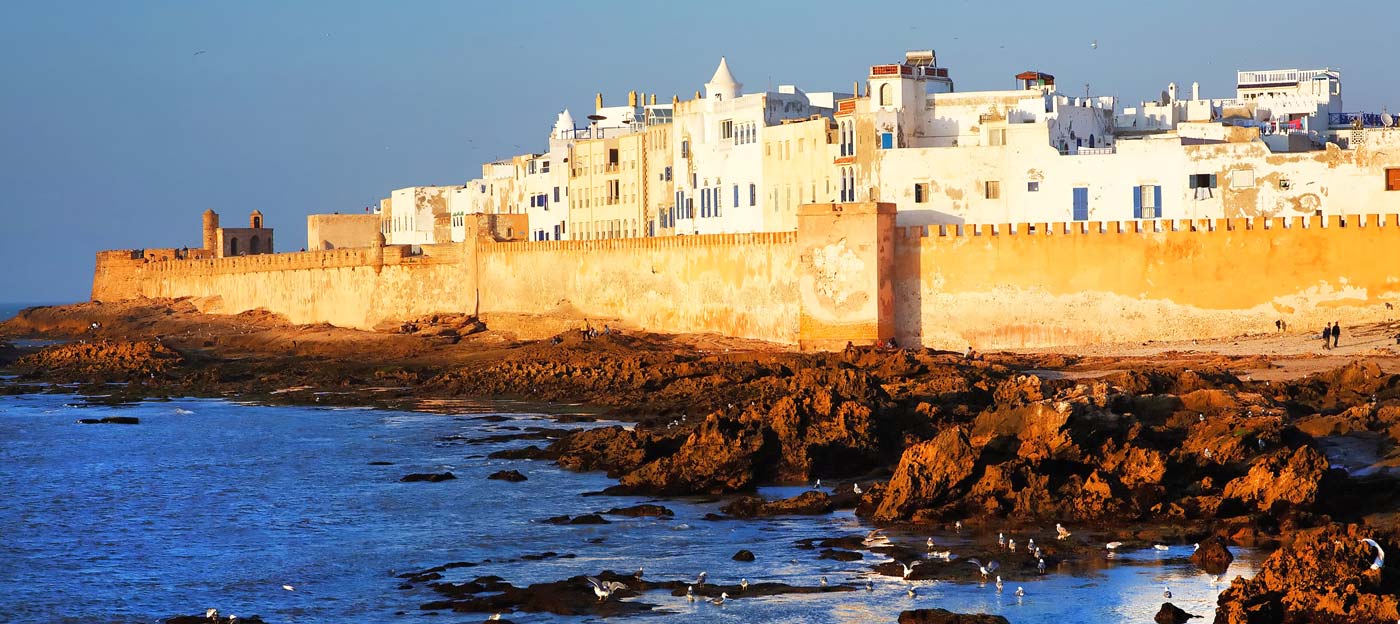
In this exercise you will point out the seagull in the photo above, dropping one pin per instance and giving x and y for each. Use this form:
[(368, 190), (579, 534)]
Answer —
[(289, 588), (1195, 547), (1062, 531), (1160, 546), (690, 593), (1037, 552), (824, 583), (817, 485), (211, 614), (723, 596), (911, 592), (1113, 545), (495, 616), (1040, 566), (998, 583), (874, 538), (929, 543), (1020, 591), (1001, 539), (1201, 417), (604, 589), (700, 580), (1011, 545), (1030, 544), (957, 526), (908, 569), (197, 54), (869, 586), (638, 573), (855, 487), (743, 584), (946, 555), (1095, 44), (1380, 554), (985, 568), (1167, 592)]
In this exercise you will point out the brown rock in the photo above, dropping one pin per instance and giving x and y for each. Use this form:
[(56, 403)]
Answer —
[(743, 555), (429, 477), (641, 511), (1323, 576), (1288, 478), (1212, 555), (717, 457), (1172, 614), (513, 476), (944, 616), (928, 473), (807, 503)]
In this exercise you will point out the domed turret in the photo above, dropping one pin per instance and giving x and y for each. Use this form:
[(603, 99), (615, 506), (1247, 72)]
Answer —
[(563, 125), (723, 85)]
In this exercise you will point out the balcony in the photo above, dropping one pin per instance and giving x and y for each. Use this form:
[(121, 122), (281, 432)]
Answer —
[(1347, 120)]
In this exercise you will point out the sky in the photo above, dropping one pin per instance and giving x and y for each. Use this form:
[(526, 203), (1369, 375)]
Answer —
[(122, 121)]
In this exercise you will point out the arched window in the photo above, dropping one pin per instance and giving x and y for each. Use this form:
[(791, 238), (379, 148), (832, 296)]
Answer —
[(253, 245), (233, 246), (257, 221), (886, 95)]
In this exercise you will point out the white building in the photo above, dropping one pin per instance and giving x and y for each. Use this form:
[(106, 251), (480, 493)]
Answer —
[(718, 155)]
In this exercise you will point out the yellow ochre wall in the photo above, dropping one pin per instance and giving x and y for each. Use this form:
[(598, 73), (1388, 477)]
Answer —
[(1064, 284), (1088, 283)]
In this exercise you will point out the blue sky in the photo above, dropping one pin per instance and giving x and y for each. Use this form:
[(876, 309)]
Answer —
[(118, 135)]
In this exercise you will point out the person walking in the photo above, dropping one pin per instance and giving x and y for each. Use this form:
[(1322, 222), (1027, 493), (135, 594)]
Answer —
[(1327, 337), (1336, 333)]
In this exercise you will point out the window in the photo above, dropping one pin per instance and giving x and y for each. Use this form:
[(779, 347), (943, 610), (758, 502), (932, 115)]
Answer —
[(921, 192), (886, 140), (726, 129), (667, 175), (1147, 202), (1081, 203), (556, 194), (685, 148), (886, 95), (1202, 183), (753, 194), (1242, 178), (992, 189), (1392, 179), (736, 195), (1033, 187), (544, 166), (997, 136)]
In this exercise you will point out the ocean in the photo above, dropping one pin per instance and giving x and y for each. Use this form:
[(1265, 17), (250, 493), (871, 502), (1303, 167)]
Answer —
[(214, 503)]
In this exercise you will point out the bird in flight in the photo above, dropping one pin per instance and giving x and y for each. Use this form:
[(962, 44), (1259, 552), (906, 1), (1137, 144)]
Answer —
[(199, 52)]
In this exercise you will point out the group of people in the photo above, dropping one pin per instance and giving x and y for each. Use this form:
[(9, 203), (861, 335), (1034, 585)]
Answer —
[(1331, 335)]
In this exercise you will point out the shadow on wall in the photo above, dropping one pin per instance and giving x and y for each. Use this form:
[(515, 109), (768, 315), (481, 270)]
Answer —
[(928, 216)]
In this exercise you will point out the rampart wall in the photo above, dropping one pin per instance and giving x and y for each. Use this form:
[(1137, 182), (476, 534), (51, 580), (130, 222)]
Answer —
[(1134, 281), (953, 286)]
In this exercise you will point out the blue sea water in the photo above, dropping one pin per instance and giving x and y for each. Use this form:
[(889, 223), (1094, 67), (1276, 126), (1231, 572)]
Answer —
[(212, 503)]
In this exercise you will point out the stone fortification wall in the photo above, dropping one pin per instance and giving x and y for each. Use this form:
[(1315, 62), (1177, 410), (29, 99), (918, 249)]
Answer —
[(1091, 282), (735, 284), (946, 287)]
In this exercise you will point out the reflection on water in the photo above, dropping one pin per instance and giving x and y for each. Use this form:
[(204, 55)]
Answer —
[(210, 503)]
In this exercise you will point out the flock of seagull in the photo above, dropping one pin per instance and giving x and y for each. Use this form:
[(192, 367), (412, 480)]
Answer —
[(988, 569)]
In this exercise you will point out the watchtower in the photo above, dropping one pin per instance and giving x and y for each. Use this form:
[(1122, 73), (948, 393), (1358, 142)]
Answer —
[(211, 230)]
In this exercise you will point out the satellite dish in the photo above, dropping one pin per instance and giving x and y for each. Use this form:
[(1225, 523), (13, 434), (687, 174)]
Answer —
[(597, 117), (1387, 120)]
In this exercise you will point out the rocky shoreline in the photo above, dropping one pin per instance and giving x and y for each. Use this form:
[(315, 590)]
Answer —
[(1137, 451)]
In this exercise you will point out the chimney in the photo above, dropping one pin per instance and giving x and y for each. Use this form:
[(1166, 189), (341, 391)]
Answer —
[(598, 103), (632, 99)]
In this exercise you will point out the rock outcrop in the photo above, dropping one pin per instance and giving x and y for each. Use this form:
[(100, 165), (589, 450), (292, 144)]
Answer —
[(1325, 576)]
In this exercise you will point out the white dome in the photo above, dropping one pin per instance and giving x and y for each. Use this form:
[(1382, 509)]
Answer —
[(722, 84), (564, 124)]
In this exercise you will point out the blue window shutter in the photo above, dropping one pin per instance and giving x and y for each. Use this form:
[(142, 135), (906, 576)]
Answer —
[(736, 194), (1081, 204), (1157, 199), (1212, 180), (1192, 180), (1137, 202)]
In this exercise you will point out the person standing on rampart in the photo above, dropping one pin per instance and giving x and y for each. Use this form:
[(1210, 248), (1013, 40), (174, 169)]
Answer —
[(1327, 337), (1336, 333)]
